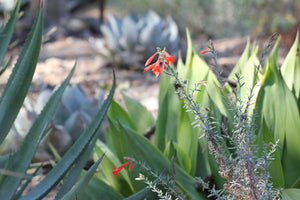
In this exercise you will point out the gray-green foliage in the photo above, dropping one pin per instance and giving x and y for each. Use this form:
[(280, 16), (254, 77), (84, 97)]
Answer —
[(132, 39)]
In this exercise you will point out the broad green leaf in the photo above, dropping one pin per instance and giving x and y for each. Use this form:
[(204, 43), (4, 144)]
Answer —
[(188, 136), (291, 69), (189, 53), (290, 194), (130, 143), (78, 188), (296, 184), (121, 182), (61, 168), (181, 157), (143, 119), (19, 81), (166, 123), (275, 168), (241, 63), (118, 113), (98, 189), (277, 106), (20, 161), (7, 32)]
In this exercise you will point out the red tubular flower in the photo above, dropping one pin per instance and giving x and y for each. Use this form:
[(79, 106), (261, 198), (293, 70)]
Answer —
[(169, 59), (150, 59), (116, 170), (206, 51), (130, 167), (155, 67)]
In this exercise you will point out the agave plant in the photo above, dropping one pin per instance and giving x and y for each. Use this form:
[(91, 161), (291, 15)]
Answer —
[(14, 174), (129, 41), (75, 111)]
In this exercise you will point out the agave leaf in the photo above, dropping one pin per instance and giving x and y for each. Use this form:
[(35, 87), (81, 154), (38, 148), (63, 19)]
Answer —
[(19, 81), (61, 168), (18, 194), (142, 194), (290, 194), (120, 183), (75, 172), (73, 98), (22, 158), (139, 114), (8, 30), (98, 189), (129, 143), (277, 105), (78, 188)]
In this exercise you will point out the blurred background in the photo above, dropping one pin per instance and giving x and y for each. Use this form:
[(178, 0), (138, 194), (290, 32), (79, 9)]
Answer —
[(103, 34)]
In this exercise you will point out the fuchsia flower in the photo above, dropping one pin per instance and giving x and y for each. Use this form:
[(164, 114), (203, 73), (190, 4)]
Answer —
[(155, 67), (117, 170)]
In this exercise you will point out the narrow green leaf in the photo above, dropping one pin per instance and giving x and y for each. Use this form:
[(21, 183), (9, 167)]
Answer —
[(8, 30), (82, 183), (21, 160), (19, 81), (24, 185), (56, 174), (142, 118), (76, 170)]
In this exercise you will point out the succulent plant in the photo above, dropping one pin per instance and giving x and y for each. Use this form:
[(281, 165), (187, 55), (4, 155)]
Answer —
[(129, 41), (75, 111)]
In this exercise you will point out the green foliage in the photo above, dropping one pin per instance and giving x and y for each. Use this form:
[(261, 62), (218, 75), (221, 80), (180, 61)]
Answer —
[(14, 177), (263, 107)]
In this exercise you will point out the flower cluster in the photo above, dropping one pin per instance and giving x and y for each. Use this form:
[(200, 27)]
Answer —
[(116, 170), (163, 57)]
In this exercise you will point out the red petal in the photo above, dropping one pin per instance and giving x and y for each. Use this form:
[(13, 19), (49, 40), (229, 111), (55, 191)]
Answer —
[(170, 60), (150, 59), (157, 70), (150, 67), (130, 167), (206, 51), (116, 170)]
